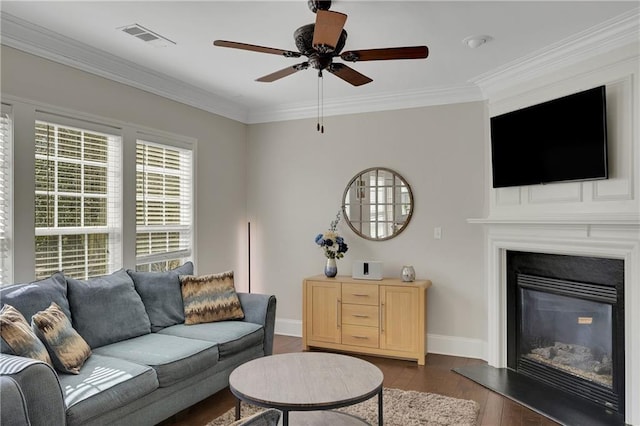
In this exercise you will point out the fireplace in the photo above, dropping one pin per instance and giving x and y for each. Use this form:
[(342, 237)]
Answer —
[(565, 324), (615, 240)]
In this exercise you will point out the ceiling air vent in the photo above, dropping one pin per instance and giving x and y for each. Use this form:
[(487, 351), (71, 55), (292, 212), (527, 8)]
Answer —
[(146, 35)]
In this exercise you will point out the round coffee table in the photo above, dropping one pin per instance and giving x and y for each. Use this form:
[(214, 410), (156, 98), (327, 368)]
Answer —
[(307, 381)]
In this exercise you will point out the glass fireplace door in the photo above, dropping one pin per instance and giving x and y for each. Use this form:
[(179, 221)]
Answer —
[(567, 333)]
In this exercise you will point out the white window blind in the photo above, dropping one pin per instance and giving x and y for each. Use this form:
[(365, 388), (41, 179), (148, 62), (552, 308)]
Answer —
[(6, 140), (164, 206), (77, 200)]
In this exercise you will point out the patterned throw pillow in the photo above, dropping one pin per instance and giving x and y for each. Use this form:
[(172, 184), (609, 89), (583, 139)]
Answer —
[(17, 332), (67, 348), (209, 298)]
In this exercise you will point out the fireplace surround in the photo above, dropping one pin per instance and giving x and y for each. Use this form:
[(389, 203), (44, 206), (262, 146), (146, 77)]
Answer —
[(596, 236)]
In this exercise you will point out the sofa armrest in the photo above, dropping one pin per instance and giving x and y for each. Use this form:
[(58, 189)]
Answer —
[(13, 407), (260, 309), (38, 383)]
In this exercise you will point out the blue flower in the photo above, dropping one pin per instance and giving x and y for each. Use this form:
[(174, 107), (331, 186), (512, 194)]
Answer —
[(333, 245)]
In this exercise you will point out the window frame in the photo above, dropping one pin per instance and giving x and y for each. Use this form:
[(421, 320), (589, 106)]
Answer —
[(169, 258), (6, 200), (113, 205)]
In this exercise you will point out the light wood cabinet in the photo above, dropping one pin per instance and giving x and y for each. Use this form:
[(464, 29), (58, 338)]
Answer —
[(386, 317), (323, 306)]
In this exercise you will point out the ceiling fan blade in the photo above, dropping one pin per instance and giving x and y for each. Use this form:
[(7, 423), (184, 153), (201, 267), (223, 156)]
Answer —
[(283, 72), (349, 74), (254, 48), (328, 29), (411, 52)]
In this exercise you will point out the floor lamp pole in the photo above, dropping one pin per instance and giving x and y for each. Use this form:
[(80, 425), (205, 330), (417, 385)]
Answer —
[(249, 254)]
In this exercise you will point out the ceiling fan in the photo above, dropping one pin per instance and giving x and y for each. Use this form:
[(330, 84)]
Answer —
[(323, 41)]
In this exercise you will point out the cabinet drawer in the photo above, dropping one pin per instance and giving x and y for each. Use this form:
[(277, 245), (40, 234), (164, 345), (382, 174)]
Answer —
[(356, 335), (366, 315), (360, 294)]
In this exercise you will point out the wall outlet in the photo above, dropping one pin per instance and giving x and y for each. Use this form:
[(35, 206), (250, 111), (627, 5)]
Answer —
[(437, 233)]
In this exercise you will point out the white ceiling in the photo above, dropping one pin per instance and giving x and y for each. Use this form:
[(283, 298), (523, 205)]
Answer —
[(85, 34)]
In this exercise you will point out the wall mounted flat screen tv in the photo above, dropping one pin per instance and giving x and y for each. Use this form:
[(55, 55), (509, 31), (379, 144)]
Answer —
[(564, 139)]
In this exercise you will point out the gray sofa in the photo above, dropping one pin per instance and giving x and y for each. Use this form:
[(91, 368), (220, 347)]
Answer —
[(146, 364)]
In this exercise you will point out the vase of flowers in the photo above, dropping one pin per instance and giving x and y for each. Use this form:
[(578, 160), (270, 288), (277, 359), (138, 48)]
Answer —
[(334, 247)]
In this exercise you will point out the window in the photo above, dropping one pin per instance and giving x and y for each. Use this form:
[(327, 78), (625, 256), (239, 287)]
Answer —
[(77, 200), (163, 206), (6, 276)]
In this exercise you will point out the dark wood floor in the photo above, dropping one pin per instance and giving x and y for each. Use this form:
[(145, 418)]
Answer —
[(436, 376)]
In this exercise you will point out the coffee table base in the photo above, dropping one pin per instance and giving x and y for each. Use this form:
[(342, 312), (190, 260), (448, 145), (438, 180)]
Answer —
[(324, 418), (321, 418)]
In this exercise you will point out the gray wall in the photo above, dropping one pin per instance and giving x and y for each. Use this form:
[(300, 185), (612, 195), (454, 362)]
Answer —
[(296, 178)]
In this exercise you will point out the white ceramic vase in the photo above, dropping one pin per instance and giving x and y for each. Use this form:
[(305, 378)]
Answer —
[(331, 269)]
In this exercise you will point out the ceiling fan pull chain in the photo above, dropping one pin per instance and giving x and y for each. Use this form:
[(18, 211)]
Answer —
[(318, 104), (321, 103)]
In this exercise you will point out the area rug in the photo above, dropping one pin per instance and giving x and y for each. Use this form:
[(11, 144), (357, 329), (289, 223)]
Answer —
[(401, 408)]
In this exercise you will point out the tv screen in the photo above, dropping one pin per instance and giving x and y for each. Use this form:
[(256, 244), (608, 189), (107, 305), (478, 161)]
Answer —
[(564, 139)]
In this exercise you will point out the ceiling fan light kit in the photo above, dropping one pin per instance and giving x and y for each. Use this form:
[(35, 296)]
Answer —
[(323, 41)]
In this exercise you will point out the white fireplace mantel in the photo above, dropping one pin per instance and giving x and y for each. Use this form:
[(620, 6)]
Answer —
[(615, 237)]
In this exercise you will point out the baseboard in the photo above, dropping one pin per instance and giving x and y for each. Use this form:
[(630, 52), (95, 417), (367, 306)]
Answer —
[(288, 327), (436, 343), (456, 346)]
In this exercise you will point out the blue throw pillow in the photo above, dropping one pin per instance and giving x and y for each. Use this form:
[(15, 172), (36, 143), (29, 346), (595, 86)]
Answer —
[(161, 295), (38, 295), (107, 309), (29, 298)]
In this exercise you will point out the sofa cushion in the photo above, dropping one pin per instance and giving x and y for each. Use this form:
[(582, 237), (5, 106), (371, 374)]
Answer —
[(104, 384), (68, 350), (230, 336), (107, 309), (32, 297), (36, 296), (210, 298), (161, 295), (173, 358), (17, 333)]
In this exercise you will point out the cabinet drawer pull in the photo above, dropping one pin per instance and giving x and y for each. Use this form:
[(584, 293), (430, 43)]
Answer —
[(360, 316), (338, 310), (360, 295), (360, 337)]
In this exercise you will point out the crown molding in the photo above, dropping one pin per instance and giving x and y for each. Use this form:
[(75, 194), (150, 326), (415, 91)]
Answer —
[(36, 40), (369, 103), (614, 33)]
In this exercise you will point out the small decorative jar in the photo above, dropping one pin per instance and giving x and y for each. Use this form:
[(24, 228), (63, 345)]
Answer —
[(408, 273)]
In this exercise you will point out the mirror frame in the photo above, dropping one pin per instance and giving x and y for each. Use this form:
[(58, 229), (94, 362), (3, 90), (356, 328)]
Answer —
[(396, 175)]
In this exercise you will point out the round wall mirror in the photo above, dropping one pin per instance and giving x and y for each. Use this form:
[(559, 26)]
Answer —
[(377, 204)]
